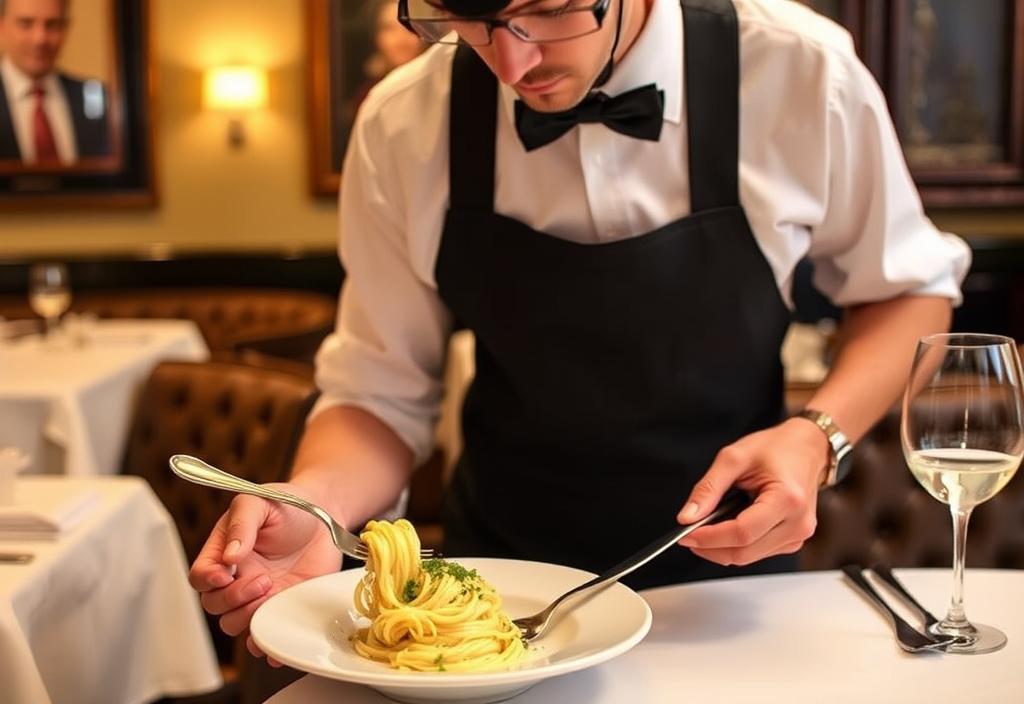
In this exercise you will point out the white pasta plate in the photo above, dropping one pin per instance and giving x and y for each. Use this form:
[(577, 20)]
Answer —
[(307, 627)]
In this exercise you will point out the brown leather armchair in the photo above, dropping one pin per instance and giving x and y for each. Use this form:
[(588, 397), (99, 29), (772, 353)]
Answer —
[(881, 514), (244, 419), (283, 322)]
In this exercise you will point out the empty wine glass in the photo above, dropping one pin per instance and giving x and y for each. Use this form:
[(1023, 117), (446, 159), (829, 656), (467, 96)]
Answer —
[(49, 292), (962, 433)]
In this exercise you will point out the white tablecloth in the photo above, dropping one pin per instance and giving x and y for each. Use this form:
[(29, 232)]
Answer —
[(805, 637), (80, 398), (104, 614)]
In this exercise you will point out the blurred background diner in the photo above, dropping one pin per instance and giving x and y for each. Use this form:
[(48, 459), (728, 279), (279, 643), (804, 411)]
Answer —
[(168, 294)]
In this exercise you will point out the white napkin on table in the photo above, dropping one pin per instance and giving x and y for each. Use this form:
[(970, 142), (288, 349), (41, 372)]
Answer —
[(45, 511)]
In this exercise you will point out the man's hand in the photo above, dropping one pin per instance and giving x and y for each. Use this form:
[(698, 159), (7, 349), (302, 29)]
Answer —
[(257, 549), (782, 467)]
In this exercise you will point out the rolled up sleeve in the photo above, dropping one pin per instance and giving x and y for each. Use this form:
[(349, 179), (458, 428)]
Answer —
[(874, 240), (387, 353)]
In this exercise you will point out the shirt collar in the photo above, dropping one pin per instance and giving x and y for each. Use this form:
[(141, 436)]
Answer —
[(655, 57), (19, 84)]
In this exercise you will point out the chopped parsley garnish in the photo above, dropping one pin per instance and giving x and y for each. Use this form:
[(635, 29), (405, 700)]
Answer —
[(411, 590), (439, 661), (438, 567)]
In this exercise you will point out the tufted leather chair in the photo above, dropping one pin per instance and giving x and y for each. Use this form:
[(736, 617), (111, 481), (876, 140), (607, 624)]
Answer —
[(881, 514), (284, 322), (244, 419)]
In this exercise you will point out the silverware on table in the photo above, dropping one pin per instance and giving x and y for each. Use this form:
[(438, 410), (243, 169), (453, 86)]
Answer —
[(885, 574), (533, 626), (907, 637), (196, 471)]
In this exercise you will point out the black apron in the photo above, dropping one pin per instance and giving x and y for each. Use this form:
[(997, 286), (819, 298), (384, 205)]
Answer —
[(607, 376)]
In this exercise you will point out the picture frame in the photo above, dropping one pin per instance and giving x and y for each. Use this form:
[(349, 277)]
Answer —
[(351, 47), (110, 96), (333, 47), (955, 83)]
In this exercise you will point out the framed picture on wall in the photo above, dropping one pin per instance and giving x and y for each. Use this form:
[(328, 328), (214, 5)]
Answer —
[(956, 90), (75, 107), (353, 45)]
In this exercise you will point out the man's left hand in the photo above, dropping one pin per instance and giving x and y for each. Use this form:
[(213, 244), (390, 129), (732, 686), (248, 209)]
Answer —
[(782, 468)]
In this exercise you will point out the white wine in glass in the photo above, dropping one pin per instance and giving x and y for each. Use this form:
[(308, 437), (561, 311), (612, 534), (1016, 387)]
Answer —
[(962, 433), (49, 292)]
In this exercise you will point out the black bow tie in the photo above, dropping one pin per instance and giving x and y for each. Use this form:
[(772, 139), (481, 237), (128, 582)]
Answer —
[(636, 113)]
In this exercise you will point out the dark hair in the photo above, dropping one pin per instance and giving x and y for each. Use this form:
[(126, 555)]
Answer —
[(475, 8)]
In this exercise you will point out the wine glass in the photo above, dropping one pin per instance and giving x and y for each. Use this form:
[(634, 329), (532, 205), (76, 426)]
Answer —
[(962, 433), (49, 292)]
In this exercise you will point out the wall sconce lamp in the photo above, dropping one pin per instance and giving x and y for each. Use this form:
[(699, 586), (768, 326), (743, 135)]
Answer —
[(236, 90)]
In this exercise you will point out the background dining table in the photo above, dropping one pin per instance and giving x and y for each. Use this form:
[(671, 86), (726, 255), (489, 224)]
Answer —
[(103, 613), (74, 393), (804, 637)]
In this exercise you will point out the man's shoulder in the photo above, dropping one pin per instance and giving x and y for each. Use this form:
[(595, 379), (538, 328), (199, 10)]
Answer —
[(410, 91), (782, 22)]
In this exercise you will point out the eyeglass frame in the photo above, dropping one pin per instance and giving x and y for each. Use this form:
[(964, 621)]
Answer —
[(600, 10)]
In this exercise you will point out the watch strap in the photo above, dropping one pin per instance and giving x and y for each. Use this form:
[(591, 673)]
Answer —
[(839, 445)]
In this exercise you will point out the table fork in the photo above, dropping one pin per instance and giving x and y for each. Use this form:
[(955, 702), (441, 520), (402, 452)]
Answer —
[(533, 626), (196, 471), (907, 637)]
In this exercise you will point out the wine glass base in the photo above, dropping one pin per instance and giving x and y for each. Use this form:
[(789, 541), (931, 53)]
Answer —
[(983, 639)]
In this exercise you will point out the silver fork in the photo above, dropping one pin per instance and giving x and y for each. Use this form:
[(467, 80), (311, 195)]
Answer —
[(533, 626), (907, 637), (196, 471)]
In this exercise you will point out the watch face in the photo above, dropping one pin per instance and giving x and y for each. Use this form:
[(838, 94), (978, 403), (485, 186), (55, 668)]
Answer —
[(844, 462)]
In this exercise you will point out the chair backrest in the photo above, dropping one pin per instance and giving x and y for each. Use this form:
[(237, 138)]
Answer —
[(243, 419), (287, 322), (881, 514)]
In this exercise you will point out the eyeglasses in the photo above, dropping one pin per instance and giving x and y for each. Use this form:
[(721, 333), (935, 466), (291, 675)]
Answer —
[(434, 24)]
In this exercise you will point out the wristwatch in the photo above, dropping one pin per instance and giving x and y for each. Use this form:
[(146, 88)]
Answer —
[(840, 459)]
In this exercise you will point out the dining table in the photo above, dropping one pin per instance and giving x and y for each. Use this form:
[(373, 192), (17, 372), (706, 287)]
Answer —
[(66, 398), (794, 638), (100, 610)]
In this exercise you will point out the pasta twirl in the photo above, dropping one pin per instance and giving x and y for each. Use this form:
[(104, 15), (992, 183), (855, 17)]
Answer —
[(431, 614)]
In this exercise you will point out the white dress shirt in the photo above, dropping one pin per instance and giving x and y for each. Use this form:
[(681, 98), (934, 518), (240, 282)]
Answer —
[(18, 87), (821, 175)]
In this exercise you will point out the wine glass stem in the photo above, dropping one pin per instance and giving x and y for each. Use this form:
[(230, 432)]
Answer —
[(956, 618)]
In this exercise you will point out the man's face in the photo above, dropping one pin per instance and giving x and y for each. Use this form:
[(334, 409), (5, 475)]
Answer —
[(32, 33), (550, 76)]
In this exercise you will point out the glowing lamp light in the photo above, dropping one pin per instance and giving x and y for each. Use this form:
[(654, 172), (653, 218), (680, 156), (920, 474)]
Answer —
[(237, 89)]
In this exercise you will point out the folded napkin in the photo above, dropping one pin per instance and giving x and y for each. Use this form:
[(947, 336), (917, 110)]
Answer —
[(45, 511)]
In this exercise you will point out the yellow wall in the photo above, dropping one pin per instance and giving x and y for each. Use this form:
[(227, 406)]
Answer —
[(211, 197)]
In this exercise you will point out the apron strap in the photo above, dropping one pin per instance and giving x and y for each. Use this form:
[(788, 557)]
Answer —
[(474, 116), (712, 59)]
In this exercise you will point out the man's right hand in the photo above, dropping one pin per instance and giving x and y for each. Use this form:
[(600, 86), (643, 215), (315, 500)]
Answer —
[(257, 549)]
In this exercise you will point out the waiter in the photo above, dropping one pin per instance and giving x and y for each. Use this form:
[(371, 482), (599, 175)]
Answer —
[(613, 195)]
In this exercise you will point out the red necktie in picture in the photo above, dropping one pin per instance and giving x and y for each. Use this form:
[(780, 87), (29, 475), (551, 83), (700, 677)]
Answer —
[(42, 133)]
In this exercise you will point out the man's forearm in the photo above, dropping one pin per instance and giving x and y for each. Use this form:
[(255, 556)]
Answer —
[(876, 350), (354, 464)]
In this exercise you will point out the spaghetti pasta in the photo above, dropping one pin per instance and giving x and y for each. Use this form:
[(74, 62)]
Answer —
[(428, 615)]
